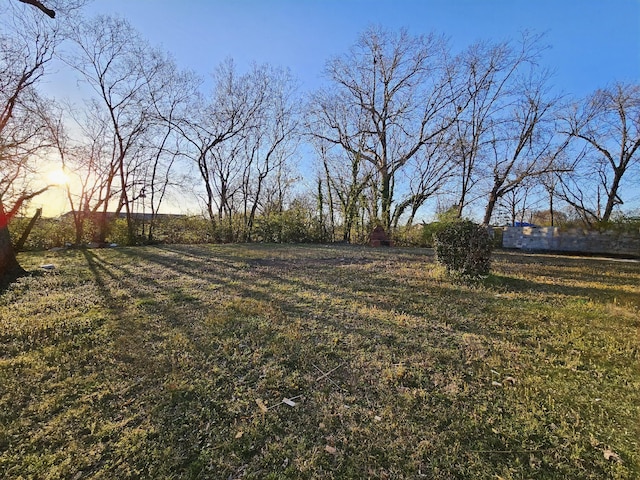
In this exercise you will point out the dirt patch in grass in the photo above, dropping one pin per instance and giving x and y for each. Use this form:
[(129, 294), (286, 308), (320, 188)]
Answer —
[(259, 361)]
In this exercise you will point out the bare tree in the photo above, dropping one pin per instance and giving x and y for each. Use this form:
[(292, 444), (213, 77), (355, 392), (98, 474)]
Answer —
[(271, 140), (426, 175), (523, 143), (170, 92), (27, 46), (513, 206), (347, 178), (116, 63), (493, 104), (606, 128), (324, 182), (550, 183), (226, 115), (396, 90), (87, 158), (239, 137)]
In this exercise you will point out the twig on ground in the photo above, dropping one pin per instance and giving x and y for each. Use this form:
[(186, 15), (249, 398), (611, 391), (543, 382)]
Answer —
[(326, 375)]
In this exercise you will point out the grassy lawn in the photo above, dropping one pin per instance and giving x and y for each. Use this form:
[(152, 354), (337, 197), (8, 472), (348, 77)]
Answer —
[(266, 362)]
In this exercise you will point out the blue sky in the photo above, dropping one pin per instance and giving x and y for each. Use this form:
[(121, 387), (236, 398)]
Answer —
[(593, 42)]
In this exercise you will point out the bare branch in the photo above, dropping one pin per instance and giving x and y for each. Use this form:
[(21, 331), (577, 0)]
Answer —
[(40, 6)]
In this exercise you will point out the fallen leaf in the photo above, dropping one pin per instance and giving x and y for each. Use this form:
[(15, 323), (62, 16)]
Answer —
[(330, 449), (611, 455), (510, 379), (261, 405), (377, 418), (239, 434), (289, 402), (496, 384)]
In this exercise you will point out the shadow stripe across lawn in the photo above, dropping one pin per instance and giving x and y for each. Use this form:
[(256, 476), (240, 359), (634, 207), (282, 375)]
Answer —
[(173, 362)]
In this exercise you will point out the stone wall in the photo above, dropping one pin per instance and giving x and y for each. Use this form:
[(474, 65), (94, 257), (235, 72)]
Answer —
[(575, 240)]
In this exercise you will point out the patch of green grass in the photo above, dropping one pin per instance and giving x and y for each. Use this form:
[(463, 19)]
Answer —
[(173, 362)]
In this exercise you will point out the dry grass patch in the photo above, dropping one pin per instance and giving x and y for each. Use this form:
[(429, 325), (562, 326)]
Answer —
[(259, 361)]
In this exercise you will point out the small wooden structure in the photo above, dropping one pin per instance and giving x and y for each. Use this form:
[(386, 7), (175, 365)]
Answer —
[(379, 238)]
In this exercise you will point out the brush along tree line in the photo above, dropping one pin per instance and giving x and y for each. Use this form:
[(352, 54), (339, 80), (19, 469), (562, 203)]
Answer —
[(401, 120)]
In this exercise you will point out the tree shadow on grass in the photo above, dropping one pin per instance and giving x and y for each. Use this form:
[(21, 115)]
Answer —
[(193, 370), (602, 293), (10, 278), (185, 377)]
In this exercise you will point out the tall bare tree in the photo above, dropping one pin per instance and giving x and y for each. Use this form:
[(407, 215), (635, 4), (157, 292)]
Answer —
[(87, 159), (605, 128), (116, 63), (239, 136), (27, 44), (396, 91), (523, 143), (271, 140), (499, 116), (170, 93), (225, 115), (427, 173), (347, 176)]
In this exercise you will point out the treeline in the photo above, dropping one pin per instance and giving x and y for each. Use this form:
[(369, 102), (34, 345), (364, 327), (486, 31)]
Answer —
[(297, 224), (401, 123)]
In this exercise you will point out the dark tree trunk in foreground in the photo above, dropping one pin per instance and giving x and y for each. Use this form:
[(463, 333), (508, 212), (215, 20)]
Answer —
[(9, 266), (27, 231)]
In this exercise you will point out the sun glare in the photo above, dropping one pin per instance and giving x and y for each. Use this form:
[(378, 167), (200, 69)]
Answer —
[(58, 177)]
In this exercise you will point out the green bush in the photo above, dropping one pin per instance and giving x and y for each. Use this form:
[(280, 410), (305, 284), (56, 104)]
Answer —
[(46, 233), (188, 229), (430, 230), (288, 226), (443, 220), (409, 236), (621, 223), (464, 248), (296, 224)]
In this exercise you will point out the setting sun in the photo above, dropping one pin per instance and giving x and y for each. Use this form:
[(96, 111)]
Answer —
[(58, 177)]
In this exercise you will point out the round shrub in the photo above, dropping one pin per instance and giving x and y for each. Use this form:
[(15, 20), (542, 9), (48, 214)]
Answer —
[(464, 248), (430, 230)]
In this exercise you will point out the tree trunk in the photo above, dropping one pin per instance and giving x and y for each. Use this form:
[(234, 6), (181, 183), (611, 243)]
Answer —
[(349, 218), (9, 266), (78, 222), (332, 217), (612, 198), (493, 198), (27, 231), (102, 226), (463, 194), (385, 194), (252, 214)]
